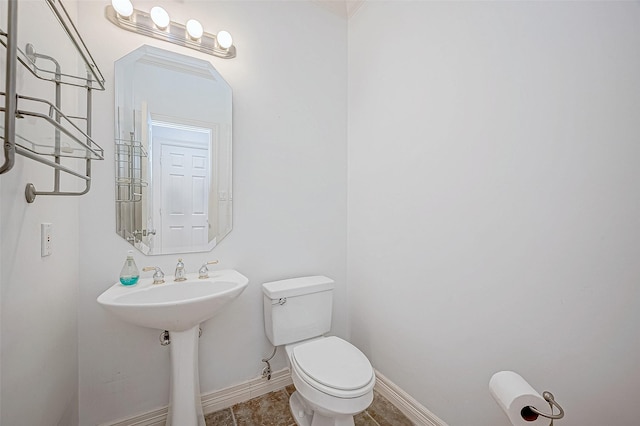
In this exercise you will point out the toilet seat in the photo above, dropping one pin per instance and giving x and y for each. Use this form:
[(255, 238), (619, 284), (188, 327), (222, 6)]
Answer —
[(333, 366)]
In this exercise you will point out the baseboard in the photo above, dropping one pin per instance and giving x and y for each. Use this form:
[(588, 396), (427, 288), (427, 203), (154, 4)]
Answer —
[(152, 418), (228, 397), (411, 408), (217, 400)]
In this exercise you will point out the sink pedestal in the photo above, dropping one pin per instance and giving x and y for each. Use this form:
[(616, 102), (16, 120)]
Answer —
[(185, 404), (179, 307)]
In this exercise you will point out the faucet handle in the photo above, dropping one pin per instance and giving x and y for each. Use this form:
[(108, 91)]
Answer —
[(180, 273), (158, 276), (203, 272)]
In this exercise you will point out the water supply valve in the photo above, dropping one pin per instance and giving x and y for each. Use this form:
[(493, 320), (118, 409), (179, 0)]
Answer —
[(164, 338)]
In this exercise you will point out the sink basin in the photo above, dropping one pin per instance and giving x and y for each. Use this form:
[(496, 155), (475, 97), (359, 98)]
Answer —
[(174, 306), (178, 307)]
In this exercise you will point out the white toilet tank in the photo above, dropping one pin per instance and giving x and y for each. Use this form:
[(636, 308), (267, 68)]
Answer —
[(297, 309)]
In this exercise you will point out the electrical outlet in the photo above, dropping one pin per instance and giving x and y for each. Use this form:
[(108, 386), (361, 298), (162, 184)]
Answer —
[(45, 239)]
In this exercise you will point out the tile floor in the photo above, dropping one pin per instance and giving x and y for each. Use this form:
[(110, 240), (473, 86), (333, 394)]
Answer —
[(272, 409)]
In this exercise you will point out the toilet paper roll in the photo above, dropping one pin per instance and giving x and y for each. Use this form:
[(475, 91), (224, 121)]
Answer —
[(513, 394)]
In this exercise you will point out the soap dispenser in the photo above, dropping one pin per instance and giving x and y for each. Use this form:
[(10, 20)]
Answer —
[(129, 274)]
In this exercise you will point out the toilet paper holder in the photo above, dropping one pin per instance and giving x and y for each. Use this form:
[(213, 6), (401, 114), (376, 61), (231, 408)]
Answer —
[(548, 396)]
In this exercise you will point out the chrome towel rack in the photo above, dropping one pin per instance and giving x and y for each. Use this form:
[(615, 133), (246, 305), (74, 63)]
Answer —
[(52, 135)]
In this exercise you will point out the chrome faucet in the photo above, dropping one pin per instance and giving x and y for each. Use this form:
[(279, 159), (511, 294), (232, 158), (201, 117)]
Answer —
[(203, 272), (180, 273), (158, 276)]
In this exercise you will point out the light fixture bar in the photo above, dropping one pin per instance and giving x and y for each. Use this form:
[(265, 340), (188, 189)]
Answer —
[(140, 22)]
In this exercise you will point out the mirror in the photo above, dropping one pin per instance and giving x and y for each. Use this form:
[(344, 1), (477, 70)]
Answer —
[(172, 152)]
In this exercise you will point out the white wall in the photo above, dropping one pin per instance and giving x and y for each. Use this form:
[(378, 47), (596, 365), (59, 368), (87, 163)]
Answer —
[(38, 296), (492, 189), (289, 81), (493, 202)]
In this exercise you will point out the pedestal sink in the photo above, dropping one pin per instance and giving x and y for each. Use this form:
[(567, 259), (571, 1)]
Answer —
[(178, 307)]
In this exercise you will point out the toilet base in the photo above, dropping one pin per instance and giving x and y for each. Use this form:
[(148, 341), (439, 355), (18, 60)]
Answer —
[(304, 416)]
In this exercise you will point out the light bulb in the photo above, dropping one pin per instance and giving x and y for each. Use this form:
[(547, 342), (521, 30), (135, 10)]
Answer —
[(160, 17), (194, 29), (124, 8), (224, 39)]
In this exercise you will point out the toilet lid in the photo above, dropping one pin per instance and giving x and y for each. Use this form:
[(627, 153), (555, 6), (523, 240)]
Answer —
[(335, 363)]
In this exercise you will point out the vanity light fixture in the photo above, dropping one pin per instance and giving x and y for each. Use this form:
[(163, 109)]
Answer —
[(123, 7), (157, 24), (224, 39), (160, 17), (194, 29)]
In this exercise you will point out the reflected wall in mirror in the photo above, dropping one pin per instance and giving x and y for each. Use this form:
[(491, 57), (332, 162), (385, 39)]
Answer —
[(172, 152)]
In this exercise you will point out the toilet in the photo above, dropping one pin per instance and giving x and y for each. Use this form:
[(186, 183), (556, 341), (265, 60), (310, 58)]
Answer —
[(333, 379)]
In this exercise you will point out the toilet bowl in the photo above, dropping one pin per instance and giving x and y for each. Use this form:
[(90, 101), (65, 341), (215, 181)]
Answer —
[(334, 380)]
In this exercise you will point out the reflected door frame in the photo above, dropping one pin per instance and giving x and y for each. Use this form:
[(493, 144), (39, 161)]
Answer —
[(163, 133)]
